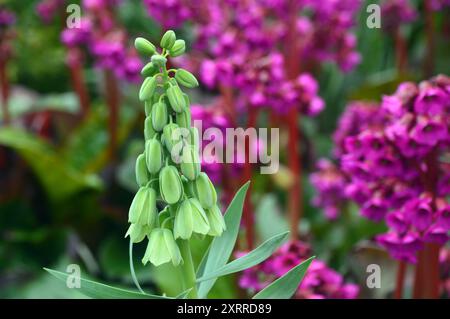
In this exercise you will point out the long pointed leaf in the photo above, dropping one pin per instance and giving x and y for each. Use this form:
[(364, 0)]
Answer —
[(222, 247), (98, 290), (285, 286), (256, 256), (184, 294)]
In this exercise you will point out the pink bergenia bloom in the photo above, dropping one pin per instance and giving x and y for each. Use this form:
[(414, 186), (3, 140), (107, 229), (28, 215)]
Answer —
[(320, 281), (388, 158)]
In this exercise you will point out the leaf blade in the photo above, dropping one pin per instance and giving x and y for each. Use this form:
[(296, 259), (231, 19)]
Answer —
[(285, 286), (222, 247), (98, 290), (254, 257)]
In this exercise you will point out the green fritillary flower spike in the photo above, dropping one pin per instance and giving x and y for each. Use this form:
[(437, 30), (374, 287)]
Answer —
[(175, 199)]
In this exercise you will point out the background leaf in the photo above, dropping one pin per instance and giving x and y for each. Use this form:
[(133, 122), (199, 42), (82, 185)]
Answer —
[(59, 179), (254, 257), (285, 286), (98, 290), (222, 247)]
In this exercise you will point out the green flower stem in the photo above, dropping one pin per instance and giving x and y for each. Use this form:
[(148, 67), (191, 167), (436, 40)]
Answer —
[(187, 268), (133, 274)]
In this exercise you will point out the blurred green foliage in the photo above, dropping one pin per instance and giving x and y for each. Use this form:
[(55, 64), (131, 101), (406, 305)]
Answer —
[(71, 203)]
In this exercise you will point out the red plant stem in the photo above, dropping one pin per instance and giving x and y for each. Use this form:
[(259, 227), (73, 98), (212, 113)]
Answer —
[(428, 67), (400, 51), (294, 161), (228, 100), (400, 280), (112, 100), (229, 185), (249, 219), (295, 205), (418, 276), (5, 91), (426, 281), (77, 78)]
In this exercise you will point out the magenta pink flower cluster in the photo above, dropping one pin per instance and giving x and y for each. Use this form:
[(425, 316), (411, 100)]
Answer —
[(394, 165), (320, 281), (329, 181), (170, 13), (397, 12), (437, 5), (48, 9), (104, 39), (211, 117), (229, 33), (214, 120), (7, 18)]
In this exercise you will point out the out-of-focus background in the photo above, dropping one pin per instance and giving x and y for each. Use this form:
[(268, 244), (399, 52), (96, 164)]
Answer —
[(71, 128)]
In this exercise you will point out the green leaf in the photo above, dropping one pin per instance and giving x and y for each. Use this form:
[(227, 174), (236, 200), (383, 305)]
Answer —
[(269, 220), (256, 256), (184, 294), (285, 286), (101, 291), (221, 247), (58, 177), (86, 149)]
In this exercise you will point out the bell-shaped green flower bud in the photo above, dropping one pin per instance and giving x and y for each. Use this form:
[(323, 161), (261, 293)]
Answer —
[(170, 185), (194, 138), (190, 163), (176, 98), (201, 223), (216, 221), (142, 176), (147, 88), (153, 155), (144, 47), (150, 69), (178, 48), (171, 135), (137, 233), (149, 131), (158, 60), (184, 224), (168, 40), (162, 248), (188, 187), (143, 209), (137, 205), (183, 119), (204, 191), (159, 116), (186, 78), (187, 101)]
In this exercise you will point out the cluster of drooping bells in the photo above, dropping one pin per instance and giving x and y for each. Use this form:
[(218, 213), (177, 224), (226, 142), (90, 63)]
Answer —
[(175, 199)]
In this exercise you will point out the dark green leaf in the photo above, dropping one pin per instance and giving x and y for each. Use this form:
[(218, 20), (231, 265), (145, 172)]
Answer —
[(256, 256), (58, 177), (285, 286), (101, 291), (221, 247)]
